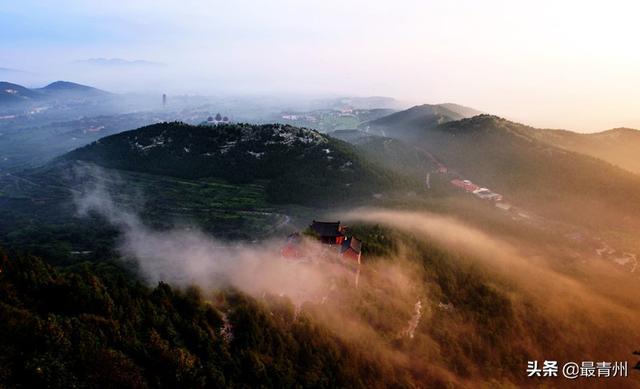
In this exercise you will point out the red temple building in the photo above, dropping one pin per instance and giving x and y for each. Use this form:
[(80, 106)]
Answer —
[(328, 232)]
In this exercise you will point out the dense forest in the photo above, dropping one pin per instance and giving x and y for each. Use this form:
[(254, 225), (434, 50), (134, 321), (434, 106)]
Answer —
[(95, 324)]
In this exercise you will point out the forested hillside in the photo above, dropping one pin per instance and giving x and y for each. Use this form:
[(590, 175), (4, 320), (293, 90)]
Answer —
[(94, 326), (504, 156), (510, 158), (300, 165)]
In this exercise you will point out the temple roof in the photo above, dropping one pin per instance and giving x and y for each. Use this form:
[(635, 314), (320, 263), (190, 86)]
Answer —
[(326, 229)]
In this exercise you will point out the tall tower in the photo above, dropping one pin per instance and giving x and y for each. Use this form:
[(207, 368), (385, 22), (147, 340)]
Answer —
[(164, 100)]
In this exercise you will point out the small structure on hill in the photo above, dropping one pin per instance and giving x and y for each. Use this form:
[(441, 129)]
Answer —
[(352, 249), (347, 250), (218, 119), (328, 232)]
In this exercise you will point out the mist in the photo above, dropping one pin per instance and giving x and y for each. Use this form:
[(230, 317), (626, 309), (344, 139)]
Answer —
[(187, 256)]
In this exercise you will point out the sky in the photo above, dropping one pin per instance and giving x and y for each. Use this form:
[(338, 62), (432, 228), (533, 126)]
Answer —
[(553, 64)]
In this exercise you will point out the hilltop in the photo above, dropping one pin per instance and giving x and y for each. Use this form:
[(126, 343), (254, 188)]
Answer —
[(13, 93), (67, 87), (236, 181), (300, 165), (403, 123)]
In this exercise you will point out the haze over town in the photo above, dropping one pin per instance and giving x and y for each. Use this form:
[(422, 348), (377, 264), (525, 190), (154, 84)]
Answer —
[(569, 64)]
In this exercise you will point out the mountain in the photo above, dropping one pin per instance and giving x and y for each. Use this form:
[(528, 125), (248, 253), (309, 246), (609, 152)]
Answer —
[(14, 93), (235, 181), (525, 165), (619, 146), (300, 165), (65, 89), (508, 158), (59, 90), (416, 118)]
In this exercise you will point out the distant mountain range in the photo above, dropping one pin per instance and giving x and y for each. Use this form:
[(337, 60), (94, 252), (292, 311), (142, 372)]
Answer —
[(14, 93)]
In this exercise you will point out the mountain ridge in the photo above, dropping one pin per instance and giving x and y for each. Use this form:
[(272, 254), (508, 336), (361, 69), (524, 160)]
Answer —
[(11, 93), (513, 159), (618, 146), (300, 164)]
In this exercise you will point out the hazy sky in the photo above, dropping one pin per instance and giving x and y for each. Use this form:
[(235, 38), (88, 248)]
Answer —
[(562, 63)]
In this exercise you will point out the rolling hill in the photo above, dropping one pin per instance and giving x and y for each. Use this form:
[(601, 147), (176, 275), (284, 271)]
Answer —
[(300, 165), (510, 158), (236, 181), (14, 94), (66, 88), (619, 146), (402, 123)]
